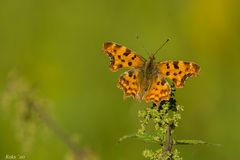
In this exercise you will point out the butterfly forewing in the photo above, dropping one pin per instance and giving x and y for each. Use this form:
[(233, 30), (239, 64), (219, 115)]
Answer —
[(130, 82), (122, 57), (178, 71), (159, 90)]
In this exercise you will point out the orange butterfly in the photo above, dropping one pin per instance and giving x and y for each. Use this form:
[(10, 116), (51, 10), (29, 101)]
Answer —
[(147, 79)]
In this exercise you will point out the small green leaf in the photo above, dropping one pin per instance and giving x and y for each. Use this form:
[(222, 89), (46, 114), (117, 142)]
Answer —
[(192, 142), (151, 138), (127, 137)]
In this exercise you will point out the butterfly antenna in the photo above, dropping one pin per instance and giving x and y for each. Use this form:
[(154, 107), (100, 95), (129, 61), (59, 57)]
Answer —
[(138, 38), (161, 46)]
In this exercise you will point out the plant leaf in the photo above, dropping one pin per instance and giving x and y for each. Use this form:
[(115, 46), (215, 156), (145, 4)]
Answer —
[(152, 138), (192, 142)]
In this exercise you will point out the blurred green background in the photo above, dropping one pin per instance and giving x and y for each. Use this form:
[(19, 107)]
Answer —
[(58, 46)]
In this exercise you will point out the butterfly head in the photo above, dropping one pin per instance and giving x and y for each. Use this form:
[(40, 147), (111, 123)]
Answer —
[(152, 57)]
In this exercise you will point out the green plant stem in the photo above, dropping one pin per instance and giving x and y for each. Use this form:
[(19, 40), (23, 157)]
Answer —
[(52, 125), (169, 142)]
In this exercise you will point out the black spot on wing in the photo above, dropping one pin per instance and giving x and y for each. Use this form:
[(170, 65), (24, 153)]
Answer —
[(116, 47), (163, 82), (167, 65), (130, 73), (175, 64), (174, 80), (127, 52), (162, 91), (134, 57), (120, 66), (127, 82), (123, 80)]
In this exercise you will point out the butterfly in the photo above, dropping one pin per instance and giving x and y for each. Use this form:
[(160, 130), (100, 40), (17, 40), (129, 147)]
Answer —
[(147, 80)]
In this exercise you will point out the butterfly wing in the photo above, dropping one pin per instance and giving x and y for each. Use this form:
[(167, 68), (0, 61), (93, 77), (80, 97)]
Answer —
[(178, 71), (122, 57), (159, 90), (130, 82)]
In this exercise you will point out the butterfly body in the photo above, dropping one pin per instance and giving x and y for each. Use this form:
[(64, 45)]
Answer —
[(149, 67), (148, 70), (147, 79)]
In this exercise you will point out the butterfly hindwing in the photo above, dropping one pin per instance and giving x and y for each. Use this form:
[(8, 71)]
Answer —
[(130, 82), (178, 71), (122, 57), (159, 90)]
